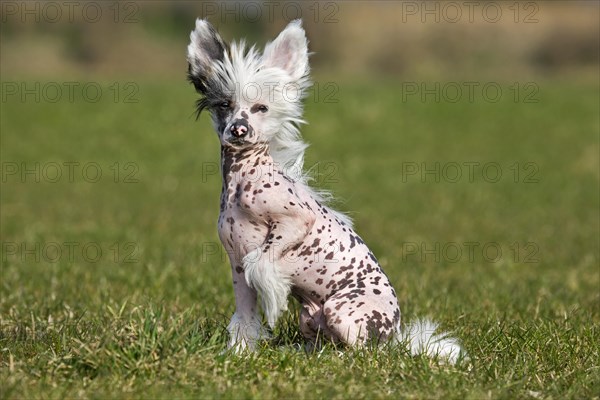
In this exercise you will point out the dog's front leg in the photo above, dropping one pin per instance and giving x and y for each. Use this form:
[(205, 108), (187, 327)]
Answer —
[(245, 327), (262, 268)]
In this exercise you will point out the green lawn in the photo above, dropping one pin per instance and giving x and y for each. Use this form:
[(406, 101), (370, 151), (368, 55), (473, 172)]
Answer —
[(146, 318)]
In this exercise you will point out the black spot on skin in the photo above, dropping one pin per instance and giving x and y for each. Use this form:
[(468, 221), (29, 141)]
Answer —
[(305, 252), (245, 114), (396, 315)]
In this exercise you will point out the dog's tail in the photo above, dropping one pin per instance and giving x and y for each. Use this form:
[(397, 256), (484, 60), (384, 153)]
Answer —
[(420, 338)]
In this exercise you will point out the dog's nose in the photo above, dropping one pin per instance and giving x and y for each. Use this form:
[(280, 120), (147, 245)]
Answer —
[(239, 128)]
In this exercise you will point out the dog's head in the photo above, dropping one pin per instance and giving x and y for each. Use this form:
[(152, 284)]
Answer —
[(251, 96)]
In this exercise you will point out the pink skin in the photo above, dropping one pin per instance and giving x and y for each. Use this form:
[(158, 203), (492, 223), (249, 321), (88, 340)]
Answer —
[(345, 295)]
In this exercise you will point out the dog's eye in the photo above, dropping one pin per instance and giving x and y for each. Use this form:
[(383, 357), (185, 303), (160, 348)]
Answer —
[(260, 107), (224, 105)]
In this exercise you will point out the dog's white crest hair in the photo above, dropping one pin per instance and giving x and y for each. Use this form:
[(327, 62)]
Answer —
[(283, 68)]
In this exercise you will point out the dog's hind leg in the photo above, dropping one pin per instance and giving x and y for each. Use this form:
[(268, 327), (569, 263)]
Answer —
[(313, 327), (355, 320)]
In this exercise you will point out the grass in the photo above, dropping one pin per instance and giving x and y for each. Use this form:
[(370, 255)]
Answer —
[(147, 317)]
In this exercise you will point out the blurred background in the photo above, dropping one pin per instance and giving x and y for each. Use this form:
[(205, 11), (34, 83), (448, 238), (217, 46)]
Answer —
[(393, 40)]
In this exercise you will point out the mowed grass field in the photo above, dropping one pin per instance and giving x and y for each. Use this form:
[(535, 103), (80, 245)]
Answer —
[(115, 286)]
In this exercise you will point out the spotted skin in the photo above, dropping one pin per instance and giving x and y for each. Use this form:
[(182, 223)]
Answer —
[(345, 295)]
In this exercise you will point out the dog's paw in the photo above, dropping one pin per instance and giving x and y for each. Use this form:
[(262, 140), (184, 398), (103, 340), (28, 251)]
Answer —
[(245, 333)]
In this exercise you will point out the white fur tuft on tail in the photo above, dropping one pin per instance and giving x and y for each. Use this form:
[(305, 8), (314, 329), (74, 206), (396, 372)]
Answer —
[(421, 338)]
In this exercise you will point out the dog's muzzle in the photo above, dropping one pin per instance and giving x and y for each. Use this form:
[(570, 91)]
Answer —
[(240, 128)]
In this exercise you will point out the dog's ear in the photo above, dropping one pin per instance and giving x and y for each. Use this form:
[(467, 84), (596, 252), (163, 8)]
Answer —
[(289, 51), (206, 47)]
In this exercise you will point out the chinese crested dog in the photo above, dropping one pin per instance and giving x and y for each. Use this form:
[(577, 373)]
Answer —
[(281, 236)]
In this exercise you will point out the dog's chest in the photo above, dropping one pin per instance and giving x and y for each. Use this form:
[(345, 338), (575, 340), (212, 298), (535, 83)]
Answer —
[(240, 234), (242, 226)]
